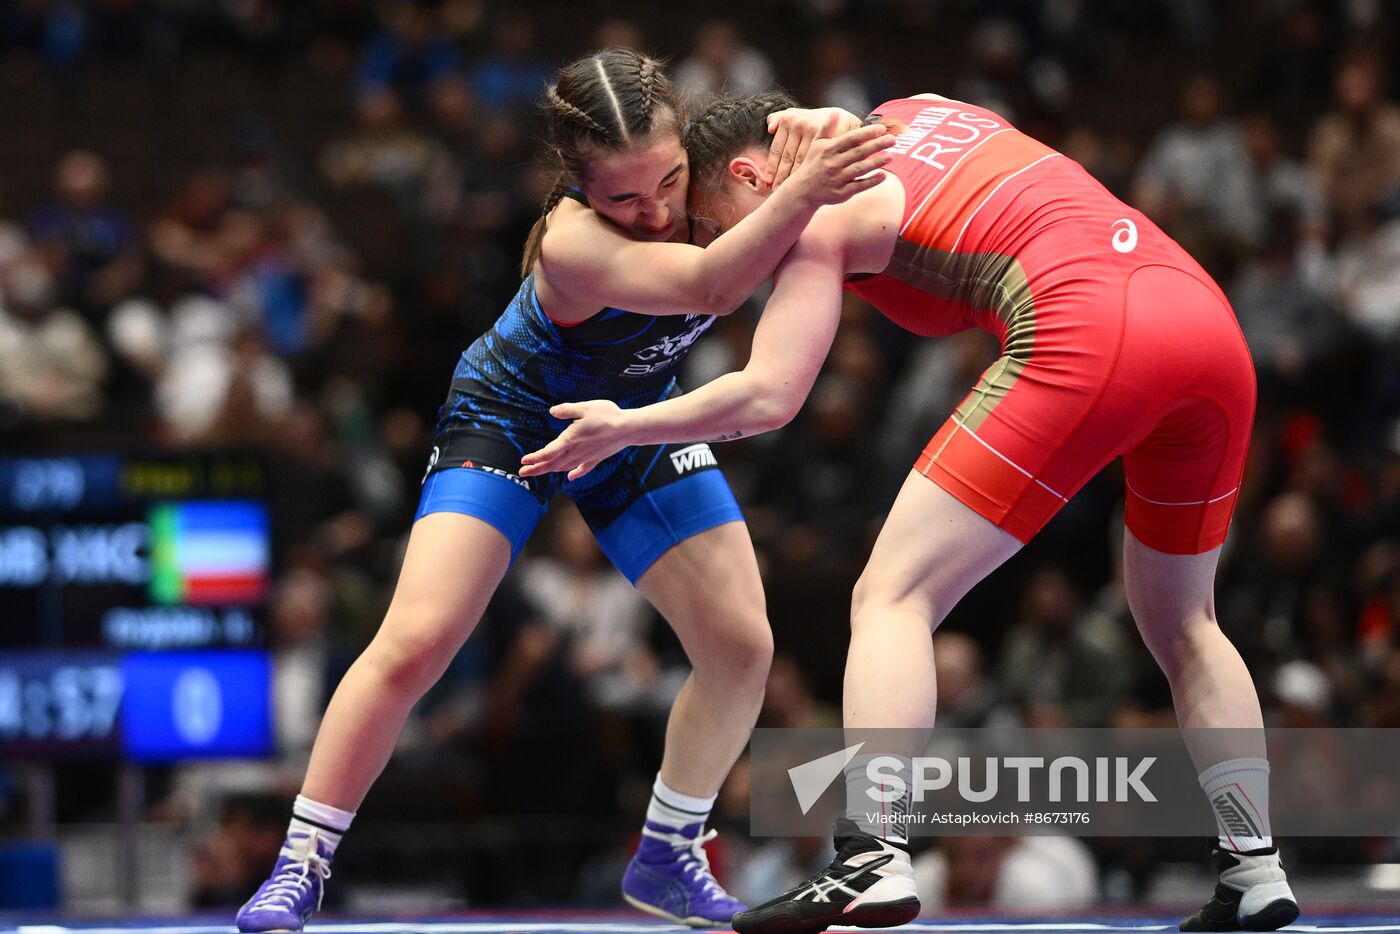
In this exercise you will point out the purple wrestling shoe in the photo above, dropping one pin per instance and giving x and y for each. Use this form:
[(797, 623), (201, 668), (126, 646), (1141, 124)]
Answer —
[(670, 877), (294, 891)]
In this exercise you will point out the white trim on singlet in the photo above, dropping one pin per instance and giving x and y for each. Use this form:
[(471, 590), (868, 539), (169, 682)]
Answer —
[(968, 223), (1194, 502), (1023, 470)]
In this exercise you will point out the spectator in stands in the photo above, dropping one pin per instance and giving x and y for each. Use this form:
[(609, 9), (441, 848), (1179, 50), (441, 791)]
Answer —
[(788, 701), (1195, 177), (1109, 157), (838, 76), (1355, 148), (720, 65), (602, 619), (52, 364), (14, 242), (1288, 321), (933, 380), (1367, 274), (223, 394), (1007, 74), (619, 34), (495, 202), (827, 483), (386, 151), (967, 698), (307, 659), (512, 75), (1060, 664), (1282, 188), (263, 173), (1262, 602), (90, 245), (50, 31), (200, 239), (1296, 63), (408, 56), (312, 497)]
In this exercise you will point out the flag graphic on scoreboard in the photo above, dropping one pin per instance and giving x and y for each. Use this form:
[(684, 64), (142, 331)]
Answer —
[(209, 553)]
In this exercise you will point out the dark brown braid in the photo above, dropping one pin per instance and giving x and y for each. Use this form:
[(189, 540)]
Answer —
[(728, 127), (649, 75), (560, 109), (609, 100)]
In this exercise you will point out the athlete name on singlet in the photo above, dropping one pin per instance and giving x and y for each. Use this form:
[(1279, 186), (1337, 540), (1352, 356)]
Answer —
[(940, 135)]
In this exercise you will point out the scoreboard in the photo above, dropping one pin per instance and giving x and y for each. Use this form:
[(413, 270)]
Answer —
[(132, 606), (124, 552)]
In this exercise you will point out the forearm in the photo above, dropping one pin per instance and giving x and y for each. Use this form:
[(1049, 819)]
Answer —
[(732, 406), (734, 266)]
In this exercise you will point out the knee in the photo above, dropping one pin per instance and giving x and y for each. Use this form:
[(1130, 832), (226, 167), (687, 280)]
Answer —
[(410, 653), (1177, 644), (742, 655), (752, 652), (874, 605)]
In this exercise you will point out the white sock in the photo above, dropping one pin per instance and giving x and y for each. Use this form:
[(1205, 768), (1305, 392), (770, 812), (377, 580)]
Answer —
[(675, 810), (326, 822), (888, 821), (1238, 791)]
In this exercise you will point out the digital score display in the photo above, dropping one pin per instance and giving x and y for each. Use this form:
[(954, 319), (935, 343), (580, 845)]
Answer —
[(145, 707), (127, 552), (132, 593)]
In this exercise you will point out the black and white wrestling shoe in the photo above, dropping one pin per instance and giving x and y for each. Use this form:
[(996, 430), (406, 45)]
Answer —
[(870, 884), (1252, 894)]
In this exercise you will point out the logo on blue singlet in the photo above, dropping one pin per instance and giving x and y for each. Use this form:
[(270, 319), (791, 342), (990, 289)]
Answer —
[(668, 350), (693, 458)]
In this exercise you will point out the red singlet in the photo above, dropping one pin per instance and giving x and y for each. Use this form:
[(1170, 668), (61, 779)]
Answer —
[(1114, 340)]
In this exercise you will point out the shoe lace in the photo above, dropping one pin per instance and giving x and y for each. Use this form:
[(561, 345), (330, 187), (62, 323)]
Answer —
[(296, 877), (693, 858)]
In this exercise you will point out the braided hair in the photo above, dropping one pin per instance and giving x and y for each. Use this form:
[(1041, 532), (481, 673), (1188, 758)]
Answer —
[(607, 100), (728, 127)]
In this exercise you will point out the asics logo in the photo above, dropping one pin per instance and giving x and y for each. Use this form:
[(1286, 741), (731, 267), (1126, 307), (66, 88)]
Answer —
[(821, 889), (1125, 237)]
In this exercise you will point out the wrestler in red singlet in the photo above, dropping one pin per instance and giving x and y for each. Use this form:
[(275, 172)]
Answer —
[(1114, 340)]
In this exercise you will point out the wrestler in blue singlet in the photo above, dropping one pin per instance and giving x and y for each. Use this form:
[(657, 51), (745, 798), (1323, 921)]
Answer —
[(639, 502)]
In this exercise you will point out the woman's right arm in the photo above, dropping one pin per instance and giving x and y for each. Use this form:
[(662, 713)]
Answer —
[(597, 260), (793, 338)]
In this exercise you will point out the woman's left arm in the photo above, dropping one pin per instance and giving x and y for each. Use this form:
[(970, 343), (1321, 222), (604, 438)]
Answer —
[(791, 342)]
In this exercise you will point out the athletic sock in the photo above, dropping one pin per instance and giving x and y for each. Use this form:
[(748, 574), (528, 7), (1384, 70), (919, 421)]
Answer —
[(327, 823), (1238, 791), (672, 809), (887, 820)]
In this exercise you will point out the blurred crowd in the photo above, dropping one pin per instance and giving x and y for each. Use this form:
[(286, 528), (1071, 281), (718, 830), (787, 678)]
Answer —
[(308, 299)]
